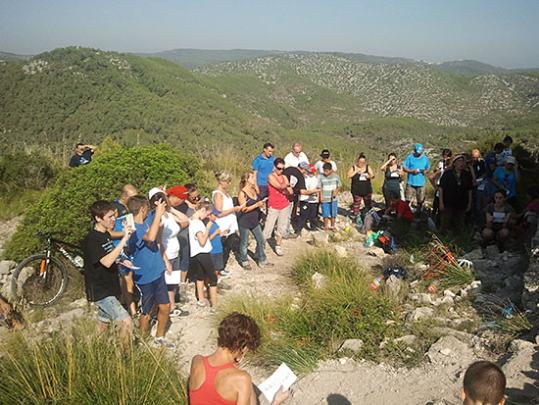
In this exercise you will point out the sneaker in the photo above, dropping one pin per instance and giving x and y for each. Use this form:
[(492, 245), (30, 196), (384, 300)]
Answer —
[(178, 313), (279, 251), (162, 342), (246, 266), (292, 235), (202, 304), (225, 273), (265, 264), (223, 286)]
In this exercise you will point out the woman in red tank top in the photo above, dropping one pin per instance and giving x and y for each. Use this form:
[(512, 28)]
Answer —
[(215, 379)]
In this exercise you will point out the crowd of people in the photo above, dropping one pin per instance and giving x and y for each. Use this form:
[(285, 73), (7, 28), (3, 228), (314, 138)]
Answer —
[(147, 248)]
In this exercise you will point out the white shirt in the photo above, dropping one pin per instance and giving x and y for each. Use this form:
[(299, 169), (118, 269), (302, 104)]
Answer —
[(196, 226), (229, 222), (169, 236), (311, 183), (291, 160), (319, 166)]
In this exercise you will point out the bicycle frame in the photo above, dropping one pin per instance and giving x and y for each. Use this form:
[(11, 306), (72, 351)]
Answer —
[(58, 245)]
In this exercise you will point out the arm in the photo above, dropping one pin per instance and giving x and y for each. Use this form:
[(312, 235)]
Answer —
[(116, 234), (203, 237), (351, 172), (384, 166), (441, 198), (371, 173), (109, 259), (243, 202), (180, 217), (275, 184), (151, 234), (218, 203), (488, 222), (469, 207)]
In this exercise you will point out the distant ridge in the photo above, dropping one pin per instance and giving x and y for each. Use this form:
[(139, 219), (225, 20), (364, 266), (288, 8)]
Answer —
[(13, 56), (471, 68)]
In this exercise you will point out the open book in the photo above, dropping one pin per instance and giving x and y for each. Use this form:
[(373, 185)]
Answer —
[(282, 377)]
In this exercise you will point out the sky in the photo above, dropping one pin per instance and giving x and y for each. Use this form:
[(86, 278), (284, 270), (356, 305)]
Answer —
[(500, 32)]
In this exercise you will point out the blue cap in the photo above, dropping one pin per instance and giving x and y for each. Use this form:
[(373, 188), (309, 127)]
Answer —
[(418, 148)]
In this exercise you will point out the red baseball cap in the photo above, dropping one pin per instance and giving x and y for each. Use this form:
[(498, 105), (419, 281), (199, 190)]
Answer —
[(178, 191)]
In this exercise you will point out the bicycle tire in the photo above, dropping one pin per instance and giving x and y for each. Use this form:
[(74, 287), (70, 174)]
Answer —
[(57, 273)]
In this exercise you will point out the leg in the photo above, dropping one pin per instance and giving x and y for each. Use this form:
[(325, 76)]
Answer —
[(125, 331), (368, 202), (271, 219), (244, 242), (303, 215), (227, 247), (420, 196), (130, 289), (101, 327), (209, 274), (144, 322), (260, 254), (162, 319), (446, 219), (488, 235), (282, 224), (501, 236), (410, 194), (313, 215), (200, 290), (357, 205)]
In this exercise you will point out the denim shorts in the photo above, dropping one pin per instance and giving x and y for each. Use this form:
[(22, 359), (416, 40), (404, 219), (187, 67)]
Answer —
[(109, 310), (218, 262), (154, 293), (329, 209)]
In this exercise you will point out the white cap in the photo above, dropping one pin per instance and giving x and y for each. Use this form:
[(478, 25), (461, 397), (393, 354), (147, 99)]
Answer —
[(154, 191)]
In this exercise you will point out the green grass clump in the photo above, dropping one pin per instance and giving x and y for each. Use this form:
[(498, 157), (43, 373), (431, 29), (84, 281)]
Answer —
[(310, 328), (78, 367)]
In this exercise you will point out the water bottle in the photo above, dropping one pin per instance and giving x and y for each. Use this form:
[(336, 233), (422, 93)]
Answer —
[(79, 261), (375, 285)]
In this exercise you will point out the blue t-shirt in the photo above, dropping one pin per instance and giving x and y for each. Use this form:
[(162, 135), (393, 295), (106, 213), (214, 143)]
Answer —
[(216, 245), (420, 162), (263, 167), (146, 255), (506, 179)]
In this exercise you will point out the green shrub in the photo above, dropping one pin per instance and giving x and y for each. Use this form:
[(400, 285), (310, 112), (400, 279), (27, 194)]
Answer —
[(310, 328), (63, 208), (21, 170), (77, 367)]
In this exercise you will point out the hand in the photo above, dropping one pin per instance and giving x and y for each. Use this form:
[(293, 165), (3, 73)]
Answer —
[(280, 397), (127, 230), (417, 171), (261, 203), (290, 190), (160, 207), (240, 207), (190, 204)]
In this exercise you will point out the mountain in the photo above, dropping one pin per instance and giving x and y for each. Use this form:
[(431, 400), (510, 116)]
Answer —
[(471, 68), (7, 56), (320, 86), (193, 58), (84, 94)]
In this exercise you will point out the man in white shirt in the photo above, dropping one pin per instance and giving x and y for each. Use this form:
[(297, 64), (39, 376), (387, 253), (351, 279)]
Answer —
[(295, 157), (324, 158)]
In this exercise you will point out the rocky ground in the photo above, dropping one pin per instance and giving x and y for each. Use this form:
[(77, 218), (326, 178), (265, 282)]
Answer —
[(343, 380)]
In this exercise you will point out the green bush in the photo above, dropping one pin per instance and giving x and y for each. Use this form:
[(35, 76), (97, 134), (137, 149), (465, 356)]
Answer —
[(77, 367), (63, 208), (310, 328), (21, 170)]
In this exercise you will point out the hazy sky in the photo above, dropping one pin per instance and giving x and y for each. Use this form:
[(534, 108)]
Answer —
[(500, 32)]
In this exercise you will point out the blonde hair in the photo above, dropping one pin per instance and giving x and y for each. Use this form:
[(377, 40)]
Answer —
[(223, 176)]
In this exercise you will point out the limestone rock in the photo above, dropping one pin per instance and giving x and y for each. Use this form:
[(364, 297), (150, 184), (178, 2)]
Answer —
[(521, 369), (320, 239), (7, 266), (341, 251), (319, 280), (449, 349), (420, 313), (407, 340), (354, 345)]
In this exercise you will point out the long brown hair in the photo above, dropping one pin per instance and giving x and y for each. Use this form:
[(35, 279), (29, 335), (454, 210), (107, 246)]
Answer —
[(244, 179)]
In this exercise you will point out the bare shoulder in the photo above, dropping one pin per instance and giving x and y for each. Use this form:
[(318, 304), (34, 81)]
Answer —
[(239, 378)]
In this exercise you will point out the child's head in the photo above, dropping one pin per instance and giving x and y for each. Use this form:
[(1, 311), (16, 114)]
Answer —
[(484, 384), (138, 205), (157, 195), (203, 210), (104, 213), (394, 197), (498, 148), (327, 168), (507, 141)]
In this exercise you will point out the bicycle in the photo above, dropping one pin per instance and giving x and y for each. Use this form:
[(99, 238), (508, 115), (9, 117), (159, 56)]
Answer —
[(41, 279)]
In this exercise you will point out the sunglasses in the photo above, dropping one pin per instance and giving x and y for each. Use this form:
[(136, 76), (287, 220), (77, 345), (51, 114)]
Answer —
[(195, 198), (280, 168)]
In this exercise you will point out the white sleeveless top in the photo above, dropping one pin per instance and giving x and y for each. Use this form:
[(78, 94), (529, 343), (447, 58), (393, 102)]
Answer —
[(229, 222)]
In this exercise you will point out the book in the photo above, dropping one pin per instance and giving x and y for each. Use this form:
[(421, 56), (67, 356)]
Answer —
[(128, 219), (283, 378)]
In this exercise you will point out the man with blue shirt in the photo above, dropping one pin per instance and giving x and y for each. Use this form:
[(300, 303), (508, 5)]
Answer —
[(417, 166), (83, 155), (149, 275), (263, 167)]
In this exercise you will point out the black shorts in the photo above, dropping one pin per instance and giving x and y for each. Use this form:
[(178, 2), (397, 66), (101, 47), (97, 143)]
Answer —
[(202, 268)]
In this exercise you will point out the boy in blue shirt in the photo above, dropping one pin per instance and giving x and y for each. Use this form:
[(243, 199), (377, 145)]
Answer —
[(263, 167), (417, 166), (217, 245), (149, 276)]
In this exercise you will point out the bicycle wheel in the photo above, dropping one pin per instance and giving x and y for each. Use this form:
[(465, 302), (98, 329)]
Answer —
[(29, 286)]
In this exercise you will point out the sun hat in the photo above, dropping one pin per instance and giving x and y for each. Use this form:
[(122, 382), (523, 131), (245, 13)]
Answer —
[(154, 191), (312, 169), (418, 148), (303, 165), (510, 160)]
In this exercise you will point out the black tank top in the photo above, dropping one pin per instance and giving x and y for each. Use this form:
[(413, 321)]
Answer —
[(360, 185), (250, 219)]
